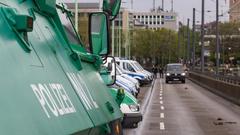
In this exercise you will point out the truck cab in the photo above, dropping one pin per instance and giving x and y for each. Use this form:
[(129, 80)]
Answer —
[(49, 74)]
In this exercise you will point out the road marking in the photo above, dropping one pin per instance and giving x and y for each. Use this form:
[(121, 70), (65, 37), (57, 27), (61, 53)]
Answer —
[(162, 115), (160, 98), (162, 107), (161, 87), (160, 94), (162, 127), (161, 102)]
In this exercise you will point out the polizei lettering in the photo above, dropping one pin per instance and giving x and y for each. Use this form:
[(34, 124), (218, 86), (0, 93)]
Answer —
[(82, 91), (53, 99)]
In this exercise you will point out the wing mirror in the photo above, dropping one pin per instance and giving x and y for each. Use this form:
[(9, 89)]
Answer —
[(111, 67), (112, 7), (99, 34)]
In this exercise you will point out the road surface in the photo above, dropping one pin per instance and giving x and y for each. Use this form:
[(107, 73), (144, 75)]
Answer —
[(187, 109)]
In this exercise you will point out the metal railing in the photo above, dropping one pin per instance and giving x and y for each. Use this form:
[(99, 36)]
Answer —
[(224, 78)]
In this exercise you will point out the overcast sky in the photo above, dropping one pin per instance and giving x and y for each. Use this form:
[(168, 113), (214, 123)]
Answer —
[(182, 7)]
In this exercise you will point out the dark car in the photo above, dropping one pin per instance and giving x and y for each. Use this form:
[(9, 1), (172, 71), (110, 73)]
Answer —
[(175, 72)]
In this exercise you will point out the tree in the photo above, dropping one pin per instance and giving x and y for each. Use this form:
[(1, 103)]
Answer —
[(155, 46)]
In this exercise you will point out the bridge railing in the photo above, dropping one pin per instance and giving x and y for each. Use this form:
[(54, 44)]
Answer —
[(224, 78), (226, 86)]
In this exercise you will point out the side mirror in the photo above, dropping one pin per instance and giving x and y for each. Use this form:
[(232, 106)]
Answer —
[(112, 7), (111, 67), (99, 34)]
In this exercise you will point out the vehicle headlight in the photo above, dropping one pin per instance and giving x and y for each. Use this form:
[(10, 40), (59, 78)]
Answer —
[(183, 74), (134, 108), (168, 74)]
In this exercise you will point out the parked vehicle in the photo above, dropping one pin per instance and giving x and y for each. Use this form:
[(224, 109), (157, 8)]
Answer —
[(151, 75), (133, 80), (46, 81), (175, 72), (130, 108), (130, 69), (127, 85)]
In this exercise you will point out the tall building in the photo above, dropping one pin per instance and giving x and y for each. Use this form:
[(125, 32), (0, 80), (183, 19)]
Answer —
[(156, 20), (234, 10)]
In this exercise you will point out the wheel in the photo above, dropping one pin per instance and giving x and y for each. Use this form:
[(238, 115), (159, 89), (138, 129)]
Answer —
[(116, 128), (183, 81), (166, 81)]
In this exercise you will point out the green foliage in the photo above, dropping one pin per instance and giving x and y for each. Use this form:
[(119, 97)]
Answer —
[(155, 44)]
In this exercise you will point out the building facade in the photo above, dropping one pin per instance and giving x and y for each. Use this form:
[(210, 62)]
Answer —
[(157, 20), (234, 11)]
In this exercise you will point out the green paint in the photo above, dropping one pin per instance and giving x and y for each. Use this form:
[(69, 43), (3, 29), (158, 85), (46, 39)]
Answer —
[(55, 88), (112, 7)]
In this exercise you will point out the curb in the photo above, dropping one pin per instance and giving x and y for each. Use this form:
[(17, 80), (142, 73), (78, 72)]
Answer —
[(147, 98)]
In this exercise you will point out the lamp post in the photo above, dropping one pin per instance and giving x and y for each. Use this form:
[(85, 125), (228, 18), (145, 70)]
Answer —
[(113, 36), (188, 41), (76, 15), (202, 36), (193, 38), (217, 38)]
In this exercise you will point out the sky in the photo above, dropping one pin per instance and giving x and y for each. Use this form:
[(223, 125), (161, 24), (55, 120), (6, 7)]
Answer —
[(183, 8)]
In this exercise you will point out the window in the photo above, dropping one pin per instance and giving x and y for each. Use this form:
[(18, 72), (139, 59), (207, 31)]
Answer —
[(146, 16), (138, 16), (129, 67), (163, 16), (162, 23), (150, 22), (68, 27), (154, 16), (150, 16), (124, 65), (142, 16), (134, 16), (158, 16), (158, 22)]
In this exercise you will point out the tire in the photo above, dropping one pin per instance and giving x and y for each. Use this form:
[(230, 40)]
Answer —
[(166, 81), (116, 128)]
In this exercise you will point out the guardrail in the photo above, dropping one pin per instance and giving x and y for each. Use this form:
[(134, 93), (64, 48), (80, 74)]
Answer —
[(224, 78), (225, 86)]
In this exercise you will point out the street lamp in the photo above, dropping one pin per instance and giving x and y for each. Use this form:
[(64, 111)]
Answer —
[(76, 15)]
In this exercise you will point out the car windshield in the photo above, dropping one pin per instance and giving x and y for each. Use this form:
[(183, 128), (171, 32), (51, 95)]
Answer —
[(174, 68), (119, 71), (68, 27), (139, 66), (135, 66)]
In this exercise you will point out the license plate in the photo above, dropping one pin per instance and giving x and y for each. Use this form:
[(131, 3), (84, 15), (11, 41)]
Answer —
[(175, 79)]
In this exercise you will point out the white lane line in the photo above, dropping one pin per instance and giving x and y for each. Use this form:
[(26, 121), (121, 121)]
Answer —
[(161, 115), (162, 127), (162, 107), (160, 94), (161, 87), (160, 98), (161, 102)]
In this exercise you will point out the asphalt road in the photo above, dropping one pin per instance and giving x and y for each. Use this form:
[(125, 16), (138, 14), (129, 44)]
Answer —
[(187, 109)]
